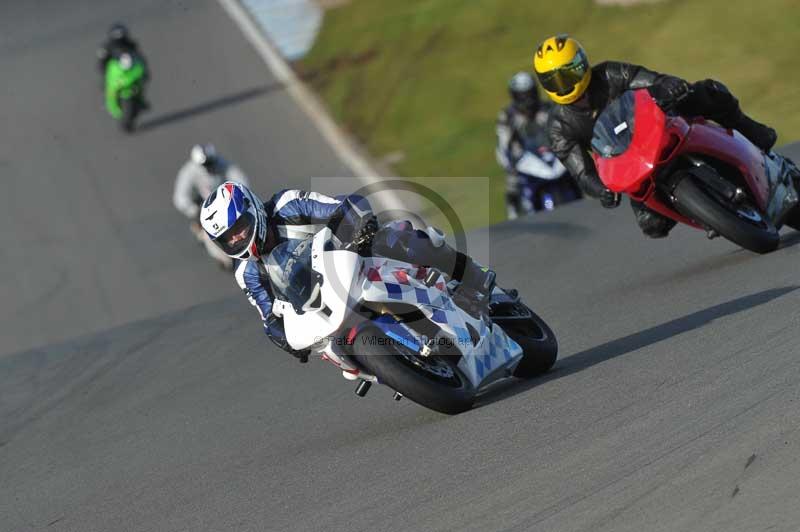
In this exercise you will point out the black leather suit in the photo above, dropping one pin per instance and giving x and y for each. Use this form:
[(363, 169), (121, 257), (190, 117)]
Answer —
[(113, 48), (571, 125)]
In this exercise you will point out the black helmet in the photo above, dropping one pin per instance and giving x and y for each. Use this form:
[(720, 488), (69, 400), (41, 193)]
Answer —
[(118, 32), (524, 92)]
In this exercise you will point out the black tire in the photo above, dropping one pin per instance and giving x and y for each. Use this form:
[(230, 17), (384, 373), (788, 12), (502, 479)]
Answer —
[(129, 111), (513, 207), (538, 343), (391, 363), (759, 236), (793, 220)]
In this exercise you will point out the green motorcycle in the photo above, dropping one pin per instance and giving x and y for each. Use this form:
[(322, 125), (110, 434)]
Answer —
[(125, 80)]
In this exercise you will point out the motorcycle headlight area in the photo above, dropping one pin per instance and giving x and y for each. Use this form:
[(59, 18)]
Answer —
[(291, 276)]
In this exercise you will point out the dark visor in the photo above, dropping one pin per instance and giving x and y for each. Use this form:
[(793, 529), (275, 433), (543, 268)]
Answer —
[(562, 80), (237, 238)]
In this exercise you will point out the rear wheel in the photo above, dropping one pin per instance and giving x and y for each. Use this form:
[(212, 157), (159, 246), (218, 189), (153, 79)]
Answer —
[(740, 223), (435, 381)]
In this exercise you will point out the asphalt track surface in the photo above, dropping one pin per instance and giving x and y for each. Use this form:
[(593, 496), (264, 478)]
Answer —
[(137, 391)]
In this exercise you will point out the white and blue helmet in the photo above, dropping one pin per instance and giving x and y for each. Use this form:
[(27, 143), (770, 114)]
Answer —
[(235, 220)]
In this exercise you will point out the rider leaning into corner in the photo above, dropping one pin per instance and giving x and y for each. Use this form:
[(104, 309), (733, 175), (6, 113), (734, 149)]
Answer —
[(247, 229), (526, 116), (199, 176), (582, 92)]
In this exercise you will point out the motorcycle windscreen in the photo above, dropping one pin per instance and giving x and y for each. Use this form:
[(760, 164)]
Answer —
[(626, 140), (291, 276)]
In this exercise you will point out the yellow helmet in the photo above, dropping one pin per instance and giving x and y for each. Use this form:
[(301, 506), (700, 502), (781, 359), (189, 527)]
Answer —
[(563, 69)]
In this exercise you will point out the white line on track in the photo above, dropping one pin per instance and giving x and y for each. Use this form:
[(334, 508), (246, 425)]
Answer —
[(305, 99)]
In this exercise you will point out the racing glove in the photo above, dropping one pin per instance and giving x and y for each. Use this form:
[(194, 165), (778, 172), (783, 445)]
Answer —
[(273, 327), (350, 217), (609, 199), (669, 91)]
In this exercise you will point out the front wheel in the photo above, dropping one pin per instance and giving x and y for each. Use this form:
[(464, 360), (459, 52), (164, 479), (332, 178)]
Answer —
[(130, 109), (793, 220), (742, 223), (435, 381), (538, 342)]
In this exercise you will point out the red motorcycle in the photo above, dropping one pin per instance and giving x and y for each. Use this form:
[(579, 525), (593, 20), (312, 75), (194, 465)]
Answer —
[(696, 172)]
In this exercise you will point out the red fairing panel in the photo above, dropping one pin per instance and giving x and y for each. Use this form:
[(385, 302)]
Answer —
[(732, 148), (625, 172)]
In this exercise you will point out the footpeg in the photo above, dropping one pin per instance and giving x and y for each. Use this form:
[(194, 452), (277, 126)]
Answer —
[(362, 388)]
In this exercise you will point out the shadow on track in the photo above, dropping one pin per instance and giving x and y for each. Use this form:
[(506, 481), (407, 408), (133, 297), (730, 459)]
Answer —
[(711, 265), (536, 226), (790, 240), (207, 107), (632, 342)]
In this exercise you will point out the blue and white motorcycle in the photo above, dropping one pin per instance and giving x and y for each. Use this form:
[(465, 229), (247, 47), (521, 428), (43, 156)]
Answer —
[(402, 325), (537, 179)]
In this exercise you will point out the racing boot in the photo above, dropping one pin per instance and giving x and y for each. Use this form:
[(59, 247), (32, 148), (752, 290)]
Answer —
[(474, 276), (400, 241), (650, 222), (759, 134), (466, 271)]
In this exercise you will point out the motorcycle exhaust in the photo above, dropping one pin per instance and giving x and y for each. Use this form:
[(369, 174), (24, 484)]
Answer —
[(716, 182)]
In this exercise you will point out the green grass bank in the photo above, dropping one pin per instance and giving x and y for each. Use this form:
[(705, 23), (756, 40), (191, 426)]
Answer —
[(419, 82)]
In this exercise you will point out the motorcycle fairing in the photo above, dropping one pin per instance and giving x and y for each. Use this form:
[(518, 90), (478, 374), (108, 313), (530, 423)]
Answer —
[(658, 138), (625, 172), (350, 279), (537, 167), (731, 147), (340, 270), (767, 176), (390, 281), (495, 352)]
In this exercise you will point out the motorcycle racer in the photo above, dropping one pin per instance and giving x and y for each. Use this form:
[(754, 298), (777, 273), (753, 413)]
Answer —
[(526, 116), (118, 41), (199, 176), (124, 74), (247, 229), (582, 92)]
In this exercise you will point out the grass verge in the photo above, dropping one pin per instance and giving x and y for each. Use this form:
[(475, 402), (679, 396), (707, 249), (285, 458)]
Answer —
[(420, 82)]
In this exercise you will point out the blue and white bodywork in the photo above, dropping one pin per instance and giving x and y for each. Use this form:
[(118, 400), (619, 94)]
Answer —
[(348, 281)]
